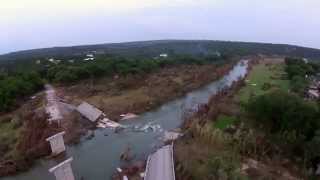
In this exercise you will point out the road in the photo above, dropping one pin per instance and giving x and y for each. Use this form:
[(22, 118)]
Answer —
[(52, 106)]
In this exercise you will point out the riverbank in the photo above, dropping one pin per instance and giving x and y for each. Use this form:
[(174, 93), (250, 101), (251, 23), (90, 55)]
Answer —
[(141, 93), (115, 96), (223, 142)]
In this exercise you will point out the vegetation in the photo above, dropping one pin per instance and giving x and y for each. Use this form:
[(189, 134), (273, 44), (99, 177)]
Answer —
[(10, 128), (17, 85), (67, 73), (271, 129), (281, 112), (290, 121), (224, 122), (263, 77), (150, 49), (298, 71), (286, 118)]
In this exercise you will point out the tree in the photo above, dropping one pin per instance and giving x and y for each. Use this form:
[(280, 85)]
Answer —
[(281, 111), (299, 84)]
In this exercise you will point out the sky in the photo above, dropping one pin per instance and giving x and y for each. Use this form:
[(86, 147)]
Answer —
[(30, 24)]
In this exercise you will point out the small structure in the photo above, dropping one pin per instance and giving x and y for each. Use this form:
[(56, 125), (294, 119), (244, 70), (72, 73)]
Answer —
[(89, 111), (314, 94), (163, 55), (57, 143), (63, 171), (160, 165), (88, 59)]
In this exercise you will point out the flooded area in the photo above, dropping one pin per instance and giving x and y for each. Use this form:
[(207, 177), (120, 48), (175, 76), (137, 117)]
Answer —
[(97, 158)]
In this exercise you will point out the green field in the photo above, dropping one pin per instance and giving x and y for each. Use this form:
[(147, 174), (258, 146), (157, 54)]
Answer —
[(262, 79)]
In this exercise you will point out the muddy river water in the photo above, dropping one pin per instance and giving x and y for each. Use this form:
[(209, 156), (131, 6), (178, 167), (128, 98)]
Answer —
[(97, 158)]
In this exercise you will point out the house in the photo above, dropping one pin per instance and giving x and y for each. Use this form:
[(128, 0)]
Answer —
[(55, 61), (313, 94), (163, 55), (88, 59), (89, 111)]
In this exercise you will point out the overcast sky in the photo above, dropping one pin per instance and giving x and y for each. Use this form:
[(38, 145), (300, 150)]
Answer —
[(28, 24)]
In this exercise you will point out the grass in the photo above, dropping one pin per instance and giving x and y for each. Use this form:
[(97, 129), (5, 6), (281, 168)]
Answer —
[(9, 134), (224, 122), (263, 78), (212, 157)]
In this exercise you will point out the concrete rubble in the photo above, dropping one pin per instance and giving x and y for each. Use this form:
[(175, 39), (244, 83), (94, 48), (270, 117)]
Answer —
[(171, 136), (89, 111), (107, 123), (97, 116), (128, 116)]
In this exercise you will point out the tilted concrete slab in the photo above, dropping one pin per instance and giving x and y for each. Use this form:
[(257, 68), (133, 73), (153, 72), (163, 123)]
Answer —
[(63, 171), (160, 165), (57, 143), (89, 111)]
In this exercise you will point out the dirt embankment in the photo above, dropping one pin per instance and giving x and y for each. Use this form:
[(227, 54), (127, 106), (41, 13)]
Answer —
[(140, 93), (31, 144)]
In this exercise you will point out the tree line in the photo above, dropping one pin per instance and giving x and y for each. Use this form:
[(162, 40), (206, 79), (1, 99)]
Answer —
[(72, 72), (16, 85), (299, 71)]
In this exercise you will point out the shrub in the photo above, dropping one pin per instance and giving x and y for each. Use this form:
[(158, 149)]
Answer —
[(282, 111)]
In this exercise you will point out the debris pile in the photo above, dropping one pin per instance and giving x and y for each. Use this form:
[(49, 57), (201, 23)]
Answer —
[(149, 127), (128, 116)]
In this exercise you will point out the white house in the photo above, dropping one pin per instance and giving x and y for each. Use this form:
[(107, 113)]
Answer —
[(163, 55)]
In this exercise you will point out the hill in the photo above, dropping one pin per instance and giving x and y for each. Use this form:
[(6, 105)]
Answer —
[(176, 47)]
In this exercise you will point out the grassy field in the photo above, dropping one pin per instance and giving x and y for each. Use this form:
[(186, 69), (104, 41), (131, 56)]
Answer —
[(262, 78)]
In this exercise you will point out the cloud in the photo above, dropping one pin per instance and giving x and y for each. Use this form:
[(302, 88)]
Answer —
[(33, 9), (29, 24)]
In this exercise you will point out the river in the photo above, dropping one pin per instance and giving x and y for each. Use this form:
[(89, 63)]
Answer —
[(97, 159)]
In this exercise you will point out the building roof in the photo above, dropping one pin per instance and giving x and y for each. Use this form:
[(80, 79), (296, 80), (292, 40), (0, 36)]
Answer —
[(160, 165), (89, 111)]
